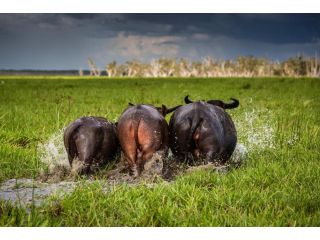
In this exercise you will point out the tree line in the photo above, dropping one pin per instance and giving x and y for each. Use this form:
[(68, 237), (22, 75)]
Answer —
[(248, 66)]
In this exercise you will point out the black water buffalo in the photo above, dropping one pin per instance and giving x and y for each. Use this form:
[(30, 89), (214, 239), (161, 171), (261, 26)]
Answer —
[(204, 130), (92, 141), (143, 132)]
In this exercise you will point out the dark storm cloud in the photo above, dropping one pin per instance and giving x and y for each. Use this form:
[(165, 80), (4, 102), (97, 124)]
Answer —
[(274, 28), (81, 15), (65, 41)]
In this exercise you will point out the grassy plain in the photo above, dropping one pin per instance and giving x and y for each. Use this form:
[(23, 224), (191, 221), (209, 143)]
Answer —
[(278, 122)]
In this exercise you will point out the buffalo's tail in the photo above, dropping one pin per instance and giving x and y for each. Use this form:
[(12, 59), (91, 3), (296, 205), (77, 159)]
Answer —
[(234, 104), (195, 123)]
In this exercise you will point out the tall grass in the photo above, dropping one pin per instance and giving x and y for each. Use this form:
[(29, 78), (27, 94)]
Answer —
[(278, 121)]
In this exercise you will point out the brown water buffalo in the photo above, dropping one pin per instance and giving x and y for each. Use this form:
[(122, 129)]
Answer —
[(204, 130), (92, 141), (143, 133)]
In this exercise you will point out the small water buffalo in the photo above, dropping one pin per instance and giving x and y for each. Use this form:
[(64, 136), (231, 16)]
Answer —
[(143, 134), (92, 141), (203, 129)]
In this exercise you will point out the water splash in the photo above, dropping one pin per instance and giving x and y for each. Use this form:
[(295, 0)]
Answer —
[(239, 155), (255, 129), (292, 140), (155, 165), (52, 152)]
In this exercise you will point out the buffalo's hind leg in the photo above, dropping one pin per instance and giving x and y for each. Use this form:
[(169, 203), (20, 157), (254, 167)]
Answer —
[(69, 145), (71, 151), (129, 146), (130, 157), (87, 148), (227, 153)]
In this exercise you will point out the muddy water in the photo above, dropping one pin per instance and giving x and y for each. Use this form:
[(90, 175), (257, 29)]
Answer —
[(24, 192), (27, 191)]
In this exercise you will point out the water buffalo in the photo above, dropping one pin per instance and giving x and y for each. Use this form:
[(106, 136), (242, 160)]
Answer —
[(92, 141), (143, 134), (204, 130)]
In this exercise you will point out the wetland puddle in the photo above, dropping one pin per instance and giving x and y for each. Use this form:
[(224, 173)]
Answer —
[(26, 192)]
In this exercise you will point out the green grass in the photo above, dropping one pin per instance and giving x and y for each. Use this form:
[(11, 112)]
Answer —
[(278, 186)]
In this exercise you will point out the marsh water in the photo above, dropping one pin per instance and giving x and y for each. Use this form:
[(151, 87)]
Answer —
[(26, 192)]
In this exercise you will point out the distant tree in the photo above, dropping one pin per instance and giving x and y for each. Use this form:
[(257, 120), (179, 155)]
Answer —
[(295, 66), (134, 68), (313, 68), (196, 69), (208, 67), (94, 71), (167, 67), (121, 70), (111, 69), (183, 68)]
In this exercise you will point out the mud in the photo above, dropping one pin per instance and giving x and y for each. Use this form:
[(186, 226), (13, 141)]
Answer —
[(26, 192), (60, 180)]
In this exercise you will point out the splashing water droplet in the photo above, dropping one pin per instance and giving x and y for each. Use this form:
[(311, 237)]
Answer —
[(255, 129), (52, 152), (239, 154)]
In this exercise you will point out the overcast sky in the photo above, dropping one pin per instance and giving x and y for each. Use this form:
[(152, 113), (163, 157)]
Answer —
[(65, 41)]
